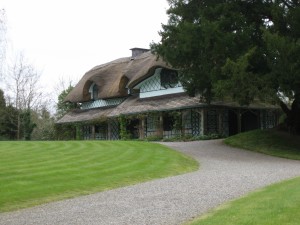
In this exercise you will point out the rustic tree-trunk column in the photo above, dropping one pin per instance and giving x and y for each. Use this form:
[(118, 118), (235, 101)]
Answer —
[(204, 121), (239, 120), (78, 133), (108, 130), (183, 121), (260, 119), (93, 132), (220, 119), (160, 129), (142, 128)]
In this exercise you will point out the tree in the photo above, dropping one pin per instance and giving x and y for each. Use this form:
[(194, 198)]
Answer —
[(2, 100), (11, 119), (27, 124), (44, 129), (22, 82), (65, 131), (2, 114), (8, 118), (240, 49), (62, 106)]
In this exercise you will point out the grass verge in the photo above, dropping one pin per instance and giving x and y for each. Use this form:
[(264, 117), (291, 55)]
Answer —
[(33, 173), (269, 142), (274, 205)]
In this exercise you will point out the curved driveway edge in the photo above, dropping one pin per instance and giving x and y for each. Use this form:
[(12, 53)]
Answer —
[(225, 173)]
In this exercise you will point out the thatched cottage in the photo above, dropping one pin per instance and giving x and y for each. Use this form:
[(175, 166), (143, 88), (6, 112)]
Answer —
[(140, 97)]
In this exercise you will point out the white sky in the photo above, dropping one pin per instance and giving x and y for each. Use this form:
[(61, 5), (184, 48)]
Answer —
[(66, 38)]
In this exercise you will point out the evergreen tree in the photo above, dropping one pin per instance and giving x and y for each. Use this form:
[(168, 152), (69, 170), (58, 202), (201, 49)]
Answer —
[(8, 120), (11, 121), (27, 124), (2, 114), (62, 106), (65, 131), (242, 49)]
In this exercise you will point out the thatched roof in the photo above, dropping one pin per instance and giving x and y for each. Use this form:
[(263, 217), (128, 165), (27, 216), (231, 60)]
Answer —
[(142, 67), (114, 77)]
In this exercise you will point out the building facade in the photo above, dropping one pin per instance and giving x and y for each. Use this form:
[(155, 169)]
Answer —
[(140, 97)]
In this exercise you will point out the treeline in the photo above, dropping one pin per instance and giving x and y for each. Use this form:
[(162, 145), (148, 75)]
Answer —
[(33, 124), (24, 124), (27, 111)]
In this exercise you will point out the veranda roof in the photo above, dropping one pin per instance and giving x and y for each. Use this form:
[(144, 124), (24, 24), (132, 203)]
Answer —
[(79, 115), (135, 105)]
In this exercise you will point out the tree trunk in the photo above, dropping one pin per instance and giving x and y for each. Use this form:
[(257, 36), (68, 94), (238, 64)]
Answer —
[(18, 126)]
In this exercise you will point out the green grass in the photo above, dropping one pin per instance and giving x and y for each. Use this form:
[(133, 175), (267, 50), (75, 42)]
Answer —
[(269, 142), (274, 205), (33, 173)]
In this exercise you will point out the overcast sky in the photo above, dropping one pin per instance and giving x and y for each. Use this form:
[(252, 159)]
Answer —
[(66, 38)]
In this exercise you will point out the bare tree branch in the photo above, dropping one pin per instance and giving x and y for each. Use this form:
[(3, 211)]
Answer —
[(23, 86)]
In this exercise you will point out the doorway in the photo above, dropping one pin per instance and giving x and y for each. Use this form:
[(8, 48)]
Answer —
[(232, 123), (249, 121)]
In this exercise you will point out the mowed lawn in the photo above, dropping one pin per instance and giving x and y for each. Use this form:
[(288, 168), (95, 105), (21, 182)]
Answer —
[(278, 204), (32, 173)]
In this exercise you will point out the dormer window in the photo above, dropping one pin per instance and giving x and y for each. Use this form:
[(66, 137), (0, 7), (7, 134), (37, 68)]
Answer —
[(168, 78), (94, 91)]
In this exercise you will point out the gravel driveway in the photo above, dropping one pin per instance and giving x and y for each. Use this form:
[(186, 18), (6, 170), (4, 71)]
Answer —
[(225, 173)]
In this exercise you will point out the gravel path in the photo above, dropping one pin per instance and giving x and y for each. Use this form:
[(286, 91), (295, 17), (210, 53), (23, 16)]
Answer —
[(225, 173)]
